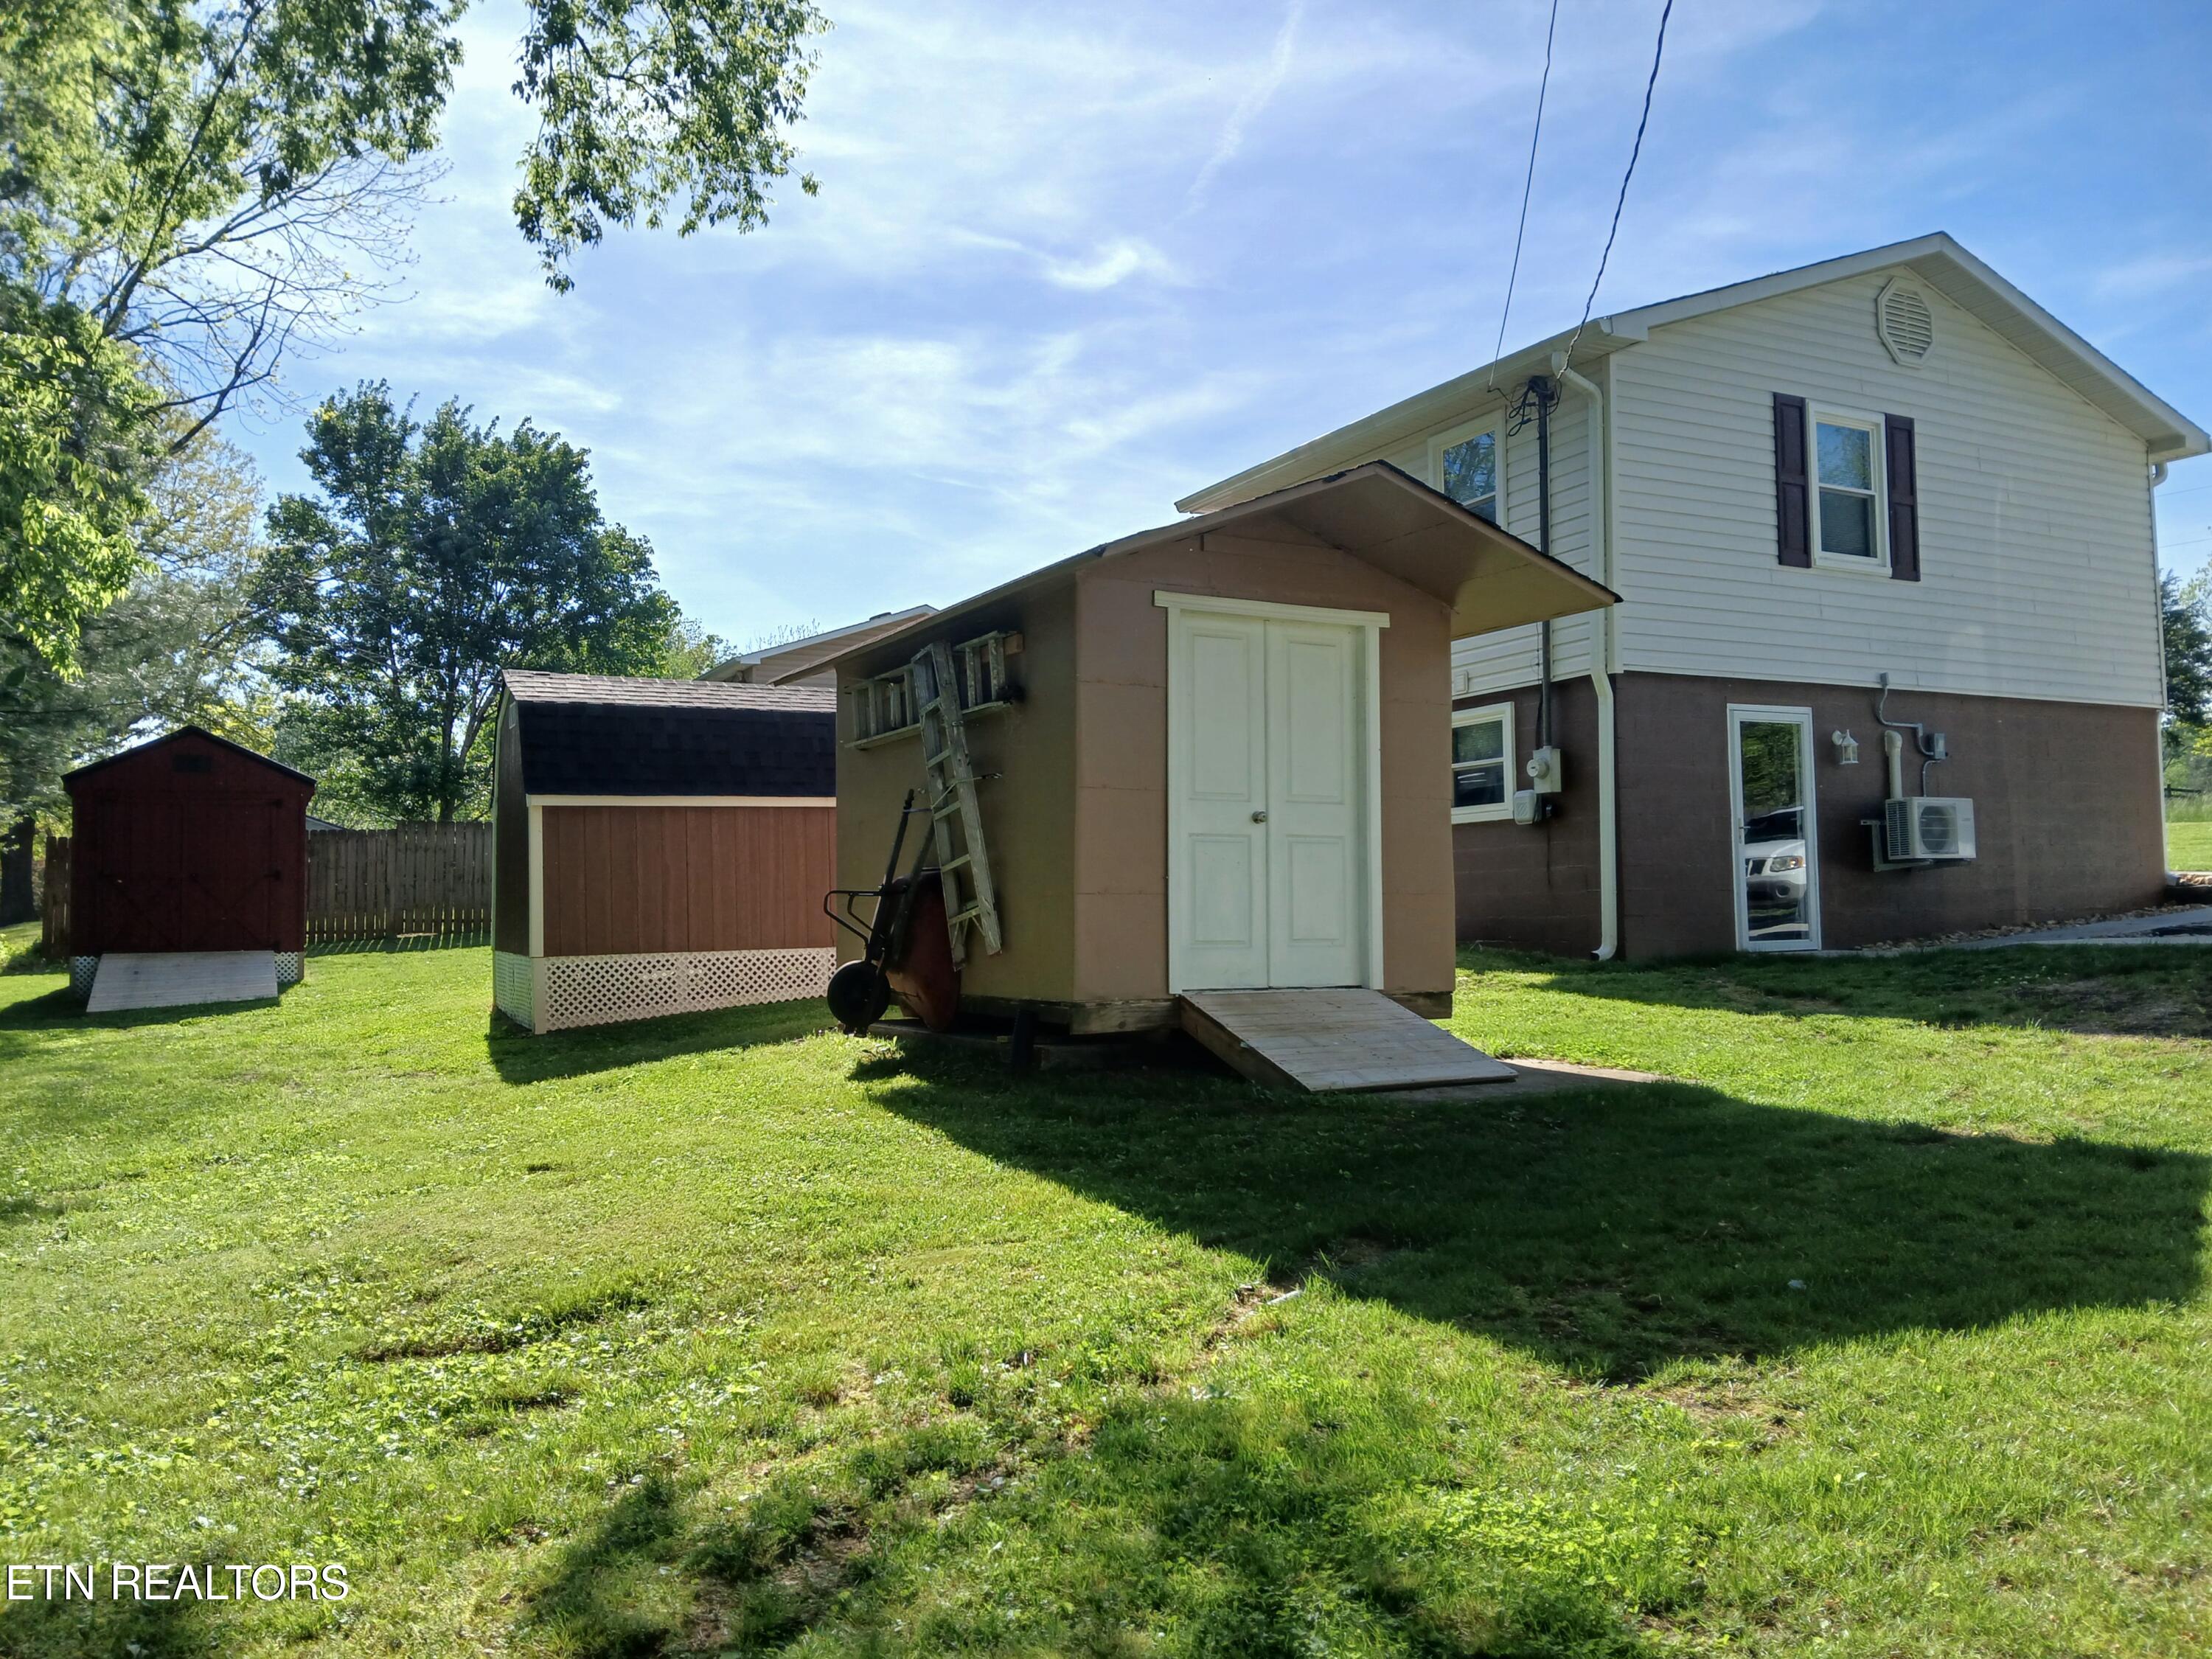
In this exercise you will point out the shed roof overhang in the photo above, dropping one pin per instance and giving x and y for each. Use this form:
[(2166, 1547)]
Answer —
[(1490, 578)]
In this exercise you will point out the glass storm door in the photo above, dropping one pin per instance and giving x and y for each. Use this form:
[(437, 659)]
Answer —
[(1777, 879)]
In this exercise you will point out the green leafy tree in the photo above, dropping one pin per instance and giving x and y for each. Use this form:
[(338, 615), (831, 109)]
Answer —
[(175, 649), (433, 556), (72, 427), (690, 651), (643, 107), (2186, 614), (190, 188)]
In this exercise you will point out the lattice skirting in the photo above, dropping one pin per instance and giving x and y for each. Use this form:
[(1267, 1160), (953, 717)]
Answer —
[(81, 971), (291, 968), (568, 991), (514, 983)]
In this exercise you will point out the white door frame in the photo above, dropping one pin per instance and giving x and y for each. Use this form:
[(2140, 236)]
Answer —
[(1738, 714), (1369, 625)]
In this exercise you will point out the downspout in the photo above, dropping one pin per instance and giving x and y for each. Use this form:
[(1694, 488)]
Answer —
[(1598, 460), (2158, 634), (1545, 396)]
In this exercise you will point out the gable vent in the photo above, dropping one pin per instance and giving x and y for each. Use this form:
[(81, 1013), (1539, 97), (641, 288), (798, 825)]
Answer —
[(1905, 322)]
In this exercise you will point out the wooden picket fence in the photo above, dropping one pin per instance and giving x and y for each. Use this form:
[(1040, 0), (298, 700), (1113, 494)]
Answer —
[(421, 879)]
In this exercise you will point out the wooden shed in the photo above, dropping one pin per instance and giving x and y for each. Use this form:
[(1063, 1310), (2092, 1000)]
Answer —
[(659, 846), (1211, 757), (188, 845)]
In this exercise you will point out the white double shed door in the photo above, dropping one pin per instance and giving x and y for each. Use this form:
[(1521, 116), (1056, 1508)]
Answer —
[(1274, 805)]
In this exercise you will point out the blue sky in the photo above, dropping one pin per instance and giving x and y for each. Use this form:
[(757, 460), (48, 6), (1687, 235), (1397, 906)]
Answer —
[(1069, 262)]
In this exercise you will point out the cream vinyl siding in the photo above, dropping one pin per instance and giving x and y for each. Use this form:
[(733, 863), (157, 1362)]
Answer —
[(1507, 659), (2035, 531)]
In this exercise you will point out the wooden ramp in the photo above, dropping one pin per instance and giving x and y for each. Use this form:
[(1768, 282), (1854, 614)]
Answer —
[(1333, 1039), (173, 978)]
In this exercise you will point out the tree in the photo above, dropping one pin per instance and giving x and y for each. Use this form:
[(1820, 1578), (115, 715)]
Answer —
[(72, 421), (435, 555), (174, 650), (2186, 616), (689, 651), (188, 188)]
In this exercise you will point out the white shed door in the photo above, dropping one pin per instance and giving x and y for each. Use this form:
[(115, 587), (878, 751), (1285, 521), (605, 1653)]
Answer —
[(1317, 883), (1268, 878)]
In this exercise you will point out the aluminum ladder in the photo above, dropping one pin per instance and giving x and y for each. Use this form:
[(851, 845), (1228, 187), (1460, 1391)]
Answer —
[(951, 779)]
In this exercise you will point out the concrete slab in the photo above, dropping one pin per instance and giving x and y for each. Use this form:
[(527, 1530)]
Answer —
[(2189, 927)]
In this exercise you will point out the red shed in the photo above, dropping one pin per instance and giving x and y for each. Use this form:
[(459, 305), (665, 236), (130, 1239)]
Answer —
[(188, 844)]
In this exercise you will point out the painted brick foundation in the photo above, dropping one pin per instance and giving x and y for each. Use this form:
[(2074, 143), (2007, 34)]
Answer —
[(2066, 799)]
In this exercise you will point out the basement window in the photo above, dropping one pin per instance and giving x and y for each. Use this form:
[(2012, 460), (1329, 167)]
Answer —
[(1468, 463), (1482, 763), (1848, 528)]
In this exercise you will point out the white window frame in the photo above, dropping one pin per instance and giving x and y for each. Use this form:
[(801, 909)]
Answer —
[(1492, 425), (1738, 715), (1878, 453), (1502, 712)]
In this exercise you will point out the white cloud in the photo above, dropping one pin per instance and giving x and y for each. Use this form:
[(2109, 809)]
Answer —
[(1001, 332), (1255, 98), (1116, 261), (2148, 274)]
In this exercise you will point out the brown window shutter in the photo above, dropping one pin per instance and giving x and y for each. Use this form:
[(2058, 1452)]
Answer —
[(1792, 500), (1902, 474)]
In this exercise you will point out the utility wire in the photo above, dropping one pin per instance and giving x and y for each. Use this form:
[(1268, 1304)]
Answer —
[(1526, 184), (1657, 53)]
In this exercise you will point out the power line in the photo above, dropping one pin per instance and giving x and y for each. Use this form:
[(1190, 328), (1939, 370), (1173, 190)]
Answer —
[(1526, 184), (1657, 53)]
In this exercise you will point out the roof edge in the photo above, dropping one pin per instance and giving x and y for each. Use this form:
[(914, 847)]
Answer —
[(2168, 434), (1409, 416), (188, 731), (749, 659), (1205, 522)]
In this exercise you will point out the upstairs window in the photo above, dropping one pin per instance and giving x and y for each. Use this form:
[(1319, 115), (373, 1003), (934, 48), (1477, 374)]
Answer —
[(1848, 520), (1482, 763), (1467, 465), (1846, 490)]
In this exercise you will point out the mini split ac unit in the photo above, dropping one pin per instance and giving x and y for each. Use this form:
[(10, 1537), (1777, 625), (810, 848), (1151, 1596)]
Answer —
[(1930, 827)]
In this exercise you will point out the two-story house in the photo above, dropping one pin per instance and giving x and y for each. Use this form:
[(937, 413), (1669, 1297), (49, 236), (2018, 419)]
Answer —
[(1889, 469)]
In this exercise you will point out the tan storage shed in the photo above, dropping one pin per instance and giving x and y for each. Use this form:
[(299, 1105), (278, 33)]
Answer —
[(1221, 755), (660, 847)]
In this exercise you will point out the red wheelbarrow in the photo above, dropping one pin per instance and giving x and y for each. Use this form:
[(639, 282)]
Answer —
[(906, 948)]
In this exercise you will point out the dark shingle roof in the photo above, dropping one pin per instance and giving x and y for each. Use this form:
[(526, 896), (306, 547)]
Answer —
[(596, 734), (530, 685), (69, 778)]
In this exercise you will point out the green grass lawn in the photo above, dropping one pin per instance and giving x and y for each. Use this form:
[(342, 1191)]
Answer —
[(1885, 1333), (2189, 842)]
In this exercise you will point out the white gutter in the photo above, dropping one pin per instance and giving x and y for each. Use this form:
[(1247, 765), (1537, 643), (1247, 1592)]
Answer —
[(1598, 460)]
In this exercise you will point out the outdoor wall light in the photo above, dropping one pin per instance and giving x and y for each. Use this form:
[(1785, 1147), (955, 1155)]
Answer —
[(1847, 748)]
